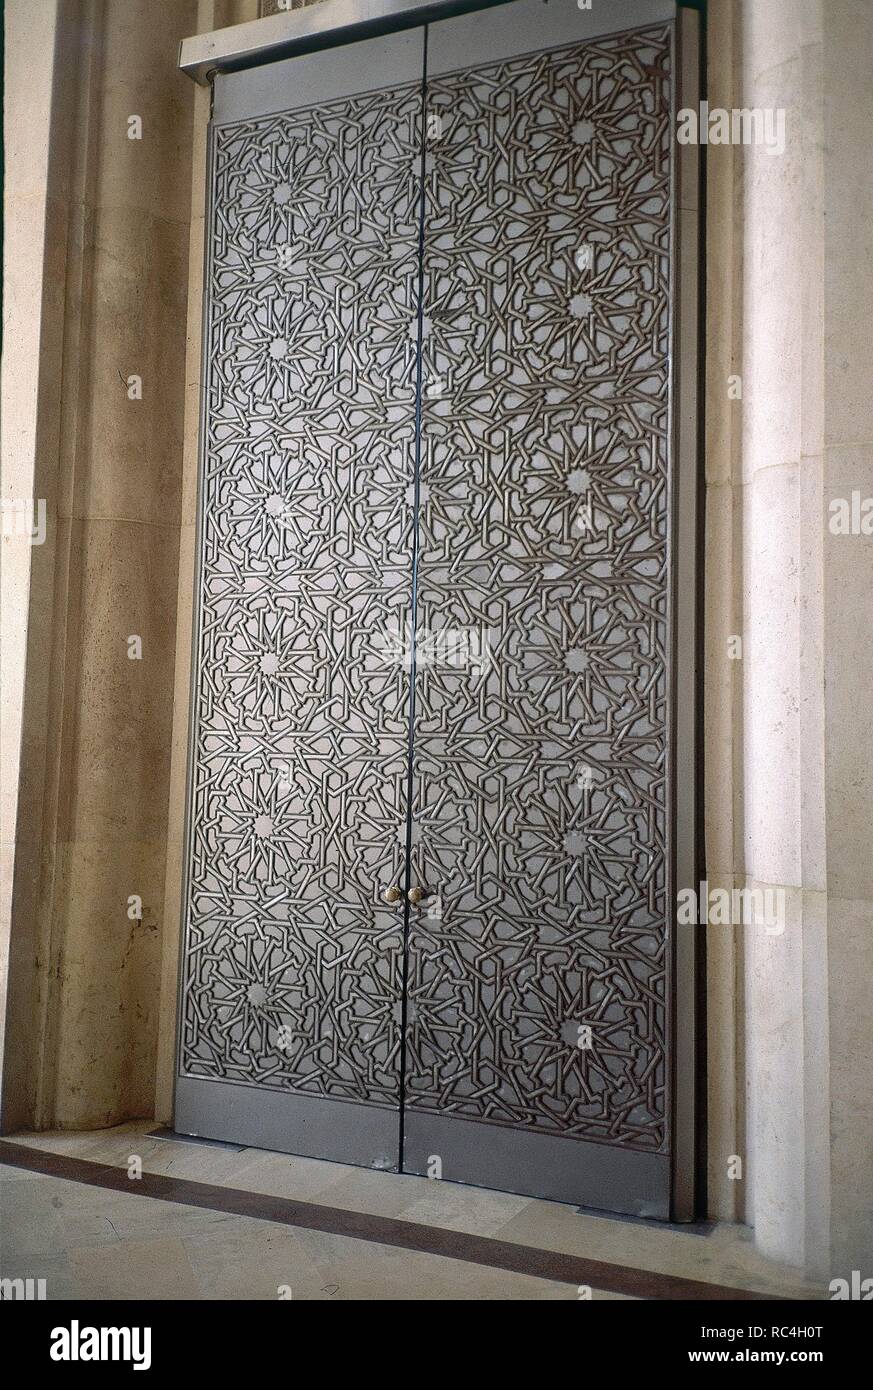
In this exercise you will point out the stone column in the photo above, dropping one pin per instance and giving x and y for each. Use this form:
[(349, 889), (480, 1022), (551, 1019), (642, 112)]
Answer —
[(100, 616), (32, 257), (845, 466), (789, 757)]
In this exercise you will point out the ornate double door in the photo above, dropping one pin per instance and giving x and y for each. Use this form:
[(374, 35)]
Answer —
[(430, 835)]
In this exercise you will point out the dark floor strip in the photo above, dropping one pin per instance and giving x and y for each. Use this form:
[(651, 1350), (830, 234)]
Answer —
[(384, 1230)]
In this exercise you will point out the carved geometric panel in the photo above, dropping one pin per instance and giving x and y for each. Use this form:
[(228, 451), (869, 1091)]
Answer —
[(293, 964), (539, 757), (537, 976)]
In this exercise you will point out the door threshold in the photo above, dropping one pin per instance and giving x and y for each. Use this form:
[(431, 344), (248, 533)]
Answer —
[(164, 1132), (685, 1228)]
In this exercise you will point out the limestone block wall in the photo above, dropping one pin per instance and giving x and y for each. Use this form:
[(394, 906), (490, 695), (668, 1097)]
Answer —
[(29, 247), (789, 756), (110, 222)]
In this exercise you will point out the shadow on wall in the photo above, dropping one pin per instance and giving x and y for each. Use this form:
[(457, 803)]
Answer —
[(98, 672)]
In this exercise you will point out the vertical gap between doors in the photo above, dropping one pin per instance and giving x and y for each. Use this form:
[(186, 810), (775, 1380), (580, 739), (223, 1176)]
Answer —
[(413, 615)]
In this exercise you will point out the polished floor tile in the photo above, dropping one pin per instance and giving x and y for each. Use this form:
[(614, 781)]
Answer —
[(93, 1239), (92, 1244)]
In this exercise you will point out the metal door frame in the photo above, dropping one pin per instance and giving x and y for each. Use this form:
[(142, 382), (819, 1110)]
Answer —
[(338, 22)]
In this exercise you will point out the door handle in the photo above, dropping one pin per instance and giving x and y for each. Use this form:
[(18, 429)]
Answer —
[(392, 894), (416, 895)]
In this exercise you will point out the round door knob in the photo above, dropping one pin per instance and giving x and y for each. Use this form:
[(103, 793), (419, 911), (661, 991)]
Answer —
[(392, 894), (416, 895)]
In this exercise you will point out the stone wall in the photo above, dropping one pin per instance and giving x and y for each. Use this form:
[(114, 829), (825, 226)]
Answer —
[(789, 757), (101, 240)]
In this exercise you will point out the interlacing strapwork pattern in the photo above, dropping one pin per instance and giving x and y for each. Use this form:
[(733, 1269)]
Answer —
[(540, 769), (541, 775), (293, 966)]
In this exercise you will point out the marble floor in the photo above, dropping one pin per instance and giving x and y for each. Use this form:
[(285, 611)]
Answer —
[(89, 1242)]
